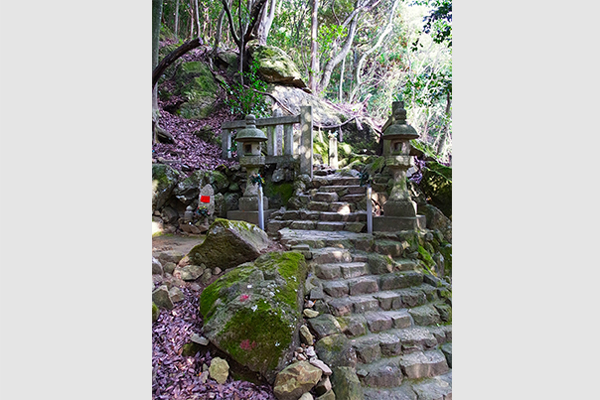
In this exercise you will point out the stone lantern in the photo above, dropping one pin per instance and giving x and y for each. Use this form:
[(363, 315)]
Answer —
[(400, 212), (249, 140)]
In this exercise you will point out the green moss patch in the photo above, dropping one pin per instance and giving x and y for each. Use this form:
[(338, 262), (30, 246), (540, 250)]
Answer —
[(253, 311)]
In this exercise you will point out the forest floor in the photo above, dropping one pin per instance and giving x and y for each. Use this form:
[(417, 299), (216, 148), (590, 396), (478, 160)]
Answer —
[(176, 376)]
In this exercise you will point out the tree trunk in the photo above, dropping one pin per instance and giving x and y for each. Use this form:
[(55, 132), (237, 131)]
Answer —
[(386, 31), (266, 20), (156, 18), (342, 79), (197, 12), (326, 77), (313, 71), (219, 32), (242, 42), (177, 20)]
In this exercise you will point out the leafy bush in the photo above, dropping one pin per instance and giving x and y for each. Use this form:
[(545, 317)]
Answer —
[(244, 100)]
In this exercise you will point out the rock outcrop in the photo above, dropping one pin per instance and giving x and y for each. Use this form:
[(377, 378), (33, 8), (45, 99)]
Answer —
[(274, 65), (229, 244), (253, 312)]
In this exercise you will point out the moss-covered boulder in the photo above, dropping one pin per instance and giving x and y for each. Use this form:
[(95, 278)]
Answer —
[(198, 87), (437, 185), (228, 244), (164, 179), (253, 312), (274, 65)]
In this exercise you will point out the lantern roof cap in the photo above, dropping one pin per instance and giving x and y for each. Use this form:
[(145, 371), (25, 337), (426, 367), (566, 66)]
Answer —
[(251, 133), (397, 128)]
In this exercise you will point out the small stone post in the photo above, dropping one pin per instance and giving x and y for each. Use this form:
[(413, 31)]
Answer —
[(333, 151), (278, 134), (306, 146), (288, 140), (226, 143)]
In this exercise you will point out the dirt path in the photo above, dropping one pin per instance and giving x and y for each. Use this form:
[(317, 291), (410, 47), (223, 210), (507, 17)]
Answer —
[(178, 243)]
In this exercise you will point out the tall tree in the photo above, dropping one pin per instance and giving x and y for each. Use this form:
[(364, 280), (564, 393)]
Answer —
[(243, 34), (156, 18), (380, 40), (313, 71), (263, 28), (176, 30)]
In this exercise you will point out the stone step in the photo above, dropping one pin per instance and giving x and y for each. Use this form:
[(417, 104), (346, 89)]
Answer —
[(435, 388), (294, 215), (387, 300), (328, 197), (353, 198), (343, 190), (402, 392), (352, 287), (330, 255), (319, 181), (336, 206), (426, 364), (374, 283), (393, 342), (341, 270), (382, 373)]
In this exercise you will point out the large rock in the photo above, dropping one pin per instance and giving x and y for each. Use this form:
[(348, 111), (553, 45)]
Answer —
[(324, 113), (253, 312), (164, 179), (296, 379), (197, 85), (229, 244), (437, 184), (274, 65)]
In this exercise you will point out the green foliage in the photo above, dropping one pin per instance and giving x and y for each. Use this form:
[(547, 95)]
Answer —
[(438, 23), (244, 100)]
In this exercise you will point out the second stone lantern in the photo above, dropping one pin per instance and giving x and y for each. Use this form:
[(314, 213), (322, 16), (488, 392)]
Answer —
[(249, 140), (400, 212)]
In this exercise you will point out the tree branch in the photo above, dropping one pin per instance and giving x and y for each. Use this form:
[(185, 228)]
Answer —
[(172, 56), (235, 37)]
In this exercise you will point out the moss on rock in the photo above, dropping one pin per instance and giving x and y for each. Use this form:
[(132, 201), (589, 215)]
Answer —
[(196, 84), (228, 244), (253, 312), (164, 179)]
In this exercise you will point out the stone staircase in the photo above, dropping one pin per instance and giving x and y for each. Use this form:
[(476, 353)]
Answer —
[(334, 203), (388, 322)]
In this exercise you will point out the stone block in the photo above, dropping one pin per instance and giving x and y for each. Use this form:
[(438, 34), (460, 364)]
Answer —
[(353, 325), (306, 225), (326, 197), (336, 351), (325, 325), (354, 269), (388, 300), (336, 288), (390, 345), (425, 315), (340, 307), (365, 303), (346, 384), (328, 271), (381, 374), (378, 321), (400, 319), (424, 364), (363, 285), (330, 226), (400, 280)]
